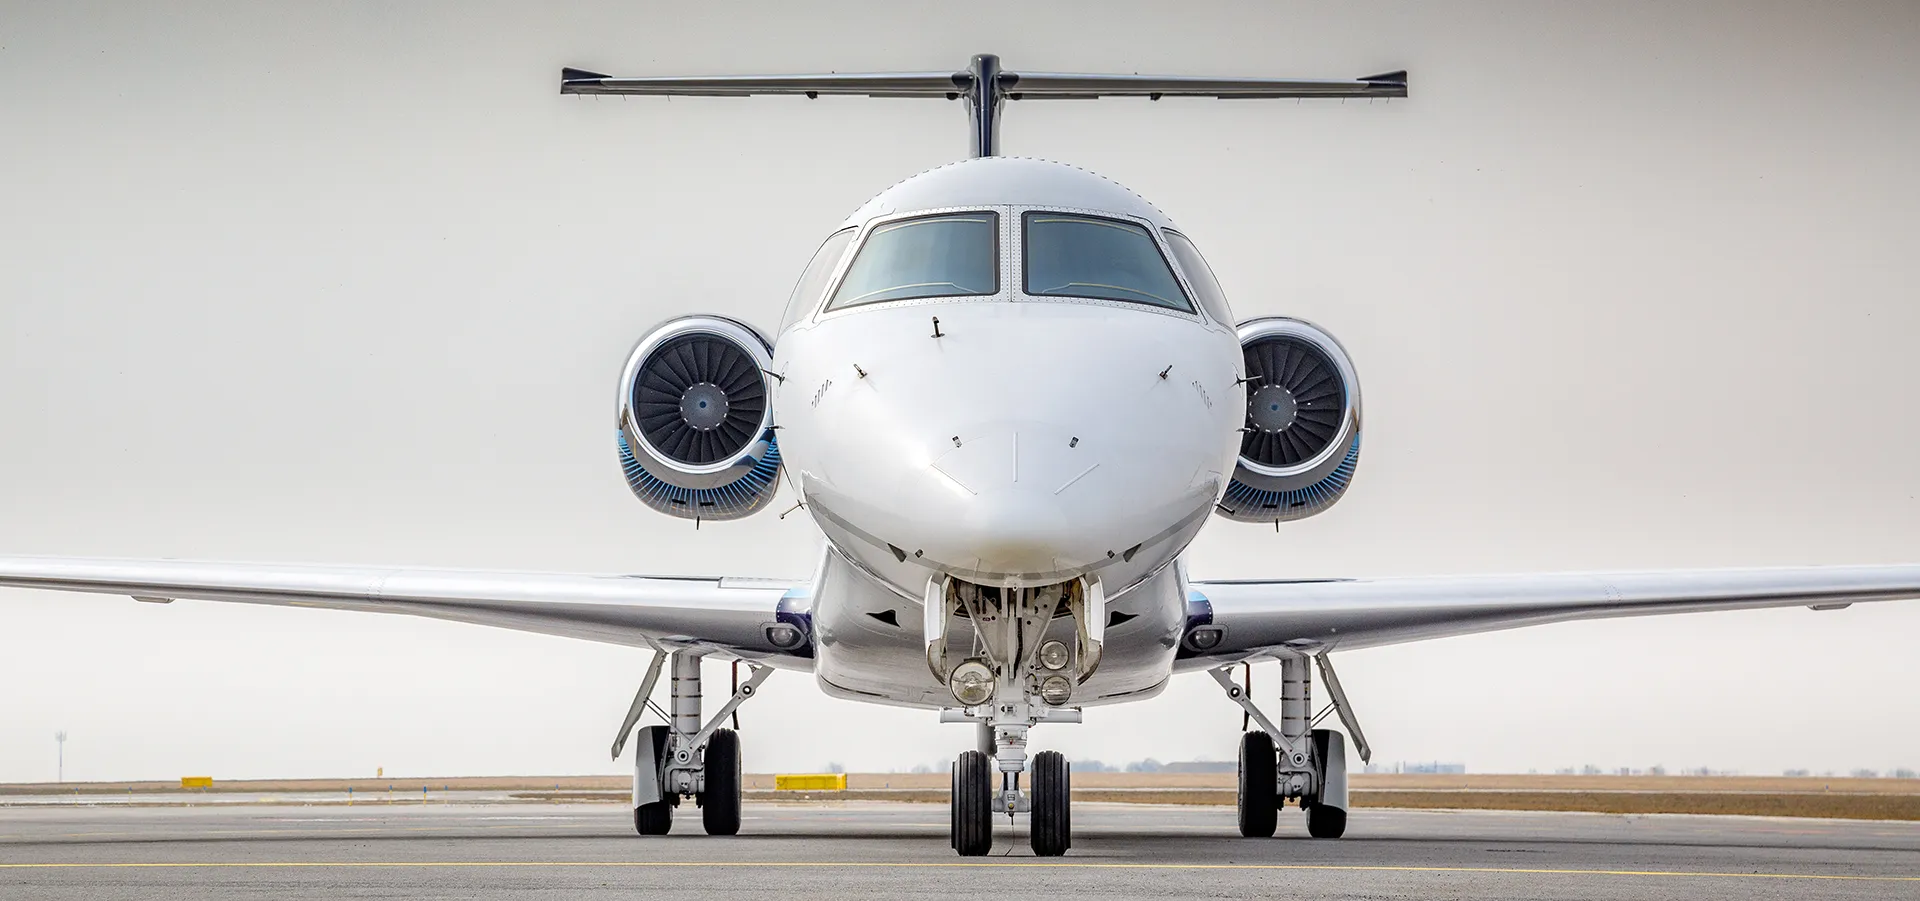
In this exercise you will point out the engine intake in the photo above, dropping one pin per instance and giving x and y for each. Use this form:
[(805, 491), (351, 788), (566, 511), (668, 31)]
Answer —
[(696, 426), (1301, 440)]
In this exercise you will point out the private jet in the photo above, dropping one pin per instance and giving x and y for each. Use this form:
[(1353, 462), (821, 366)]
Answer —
[(995, 554)]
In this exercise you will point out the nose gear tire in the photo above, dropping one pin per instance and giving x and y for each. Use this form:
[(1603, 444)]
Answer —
[(972, 804), (720, 803), (1259, 802), (1052, 821)]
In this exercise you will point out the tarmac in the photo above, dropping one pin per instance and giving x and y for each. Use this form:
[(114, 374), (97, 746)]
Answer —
[(476, 847)]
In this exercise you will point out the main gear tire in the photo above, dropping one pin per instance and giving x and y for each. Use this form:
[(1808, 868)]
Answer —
[(1258, 801), (1324, 821), (653, 819), (720, 803)]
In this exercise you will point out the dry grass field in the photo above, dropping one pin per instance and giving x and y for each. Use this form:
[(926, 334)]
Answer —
[(1848, 798)]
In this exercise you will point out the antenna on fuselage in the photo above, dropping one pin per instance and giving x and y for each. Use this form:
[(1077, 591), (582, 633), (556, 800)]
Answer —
[(985, 87)]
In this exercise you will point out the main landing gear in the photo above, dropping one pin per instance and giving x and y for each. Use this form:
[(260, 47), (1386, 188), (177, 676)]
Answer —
[(1293, 761), (1030, 649), (684, 758)]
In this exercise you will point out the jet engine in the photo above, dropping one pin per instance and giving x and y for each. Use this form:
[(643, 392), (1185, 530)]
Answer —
[(1301, 440), (696, 421)]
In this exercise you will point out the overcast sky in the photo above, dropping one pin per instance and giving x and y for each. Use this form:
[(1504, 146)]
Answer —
[(1629, 286)]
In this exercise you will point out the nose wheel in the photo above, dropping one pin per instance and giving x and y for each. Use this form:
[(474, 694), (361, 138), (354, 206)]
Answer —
[(972, 804), (1052, 821)]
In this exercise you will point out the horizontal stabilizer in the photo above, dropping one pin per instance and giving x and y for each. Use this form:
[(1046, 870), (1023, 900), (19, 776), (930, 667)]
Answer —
[(871, 84), (984, 85), (1061, 86)]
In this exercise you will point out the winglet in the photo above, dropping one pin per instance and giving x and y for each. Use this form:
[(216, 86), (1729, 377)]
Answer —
[(1392, 78), (570, 74)]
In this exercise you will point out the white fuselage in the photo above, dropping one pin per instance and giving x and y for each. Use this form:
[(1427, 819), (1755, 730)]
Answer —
[(1032, 442)]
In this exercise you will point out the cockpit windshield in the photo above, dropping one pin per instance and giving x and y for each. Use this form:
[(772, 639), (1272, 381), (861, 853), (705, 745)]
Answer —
[(1200, 277), (1104, 259), (806, 293), (929, 256)]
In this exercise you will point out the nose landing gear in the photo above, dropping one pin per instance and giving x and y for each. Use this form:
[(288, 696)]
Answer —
[(1014, 678), (974, 804)]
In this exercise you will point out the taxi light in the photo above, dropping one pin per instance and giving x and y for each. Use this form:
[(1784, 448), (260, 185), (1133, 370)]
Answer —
[(1053, 654)]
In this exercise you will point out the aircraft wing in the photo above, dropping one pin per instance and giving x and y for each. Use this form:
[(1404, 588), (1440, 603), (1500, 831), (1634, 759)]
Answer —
[(738, 617), (1259, 618)]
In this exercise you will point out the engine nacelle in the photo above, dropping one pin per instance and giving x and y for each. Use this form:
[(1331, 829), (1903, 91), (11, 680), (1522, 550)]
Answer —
[(1301, 441), (696, 420)]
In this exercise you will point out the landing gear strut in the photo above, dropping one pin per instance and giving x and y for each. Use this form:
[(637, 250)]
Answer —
[(685, 758), (1293, 760)]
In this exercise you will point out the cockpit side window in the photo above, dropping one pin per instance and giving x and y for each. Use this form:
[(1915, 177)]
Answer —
[(1072, 255), (1200, 277), (814, 280), (949, 255)]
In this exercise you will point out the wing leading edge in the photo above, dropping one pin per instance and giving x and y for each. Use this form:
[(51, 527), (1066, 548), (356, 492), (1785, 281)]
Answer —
[(724, 615), (1259, 618)]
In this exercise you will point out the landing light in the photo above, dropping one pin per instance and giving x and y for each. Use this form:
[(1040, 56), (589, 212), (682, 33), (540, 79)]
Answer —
[(1053, 654), (971, 682)]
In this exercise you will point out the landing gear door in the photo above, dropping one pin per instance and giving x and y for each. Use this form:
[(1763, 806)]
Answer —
[(1330, 748), (648, 756)]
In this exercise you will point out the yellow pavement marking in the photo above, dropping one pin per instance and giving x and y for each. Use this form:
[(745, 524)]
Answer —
[(934, 865)]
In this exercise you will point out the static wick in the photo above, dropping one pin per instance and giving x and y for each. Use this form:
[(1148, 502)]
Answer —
[(936, 328), (1163, 372), (863, 372)]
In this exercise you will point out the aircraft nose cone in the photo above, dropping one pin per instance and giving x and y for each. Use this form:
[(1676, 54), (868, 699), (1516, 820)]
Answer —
[(1014, 531), (1009, 520)]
